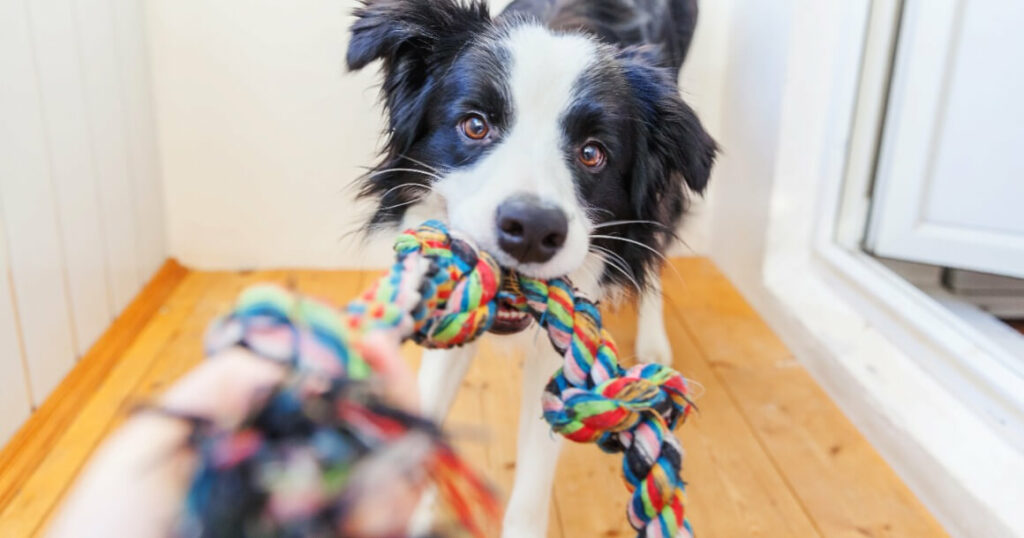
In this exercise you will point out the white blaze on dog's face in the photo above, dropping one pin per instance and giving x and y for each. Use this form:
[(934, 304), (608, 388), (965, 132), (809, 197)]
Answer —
[(528, 160), (549, 149)]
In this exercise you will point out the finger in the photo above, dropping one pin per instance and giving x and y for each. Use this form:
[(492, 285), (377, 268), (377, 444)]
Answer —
[(390, 370), (225, 388)]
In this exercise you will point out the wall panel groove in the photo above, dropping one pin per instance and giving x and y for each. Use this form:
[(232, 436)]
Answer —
[(15, 394), (102, 90), (36, 262), (132, 51), (81, 208), (72, 167)]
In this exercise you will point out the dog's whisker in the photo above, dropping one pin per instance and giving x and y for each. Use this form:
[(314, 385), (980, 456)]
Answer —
[(354, 231), (663, 258), (620, 262), (423, 164), (632, 242), (464, 161), (615, 256), (624, 270), (625, 264), (625, 222), (594, 210), (404, 185), (413, 170), (403, 204), (416, 200)]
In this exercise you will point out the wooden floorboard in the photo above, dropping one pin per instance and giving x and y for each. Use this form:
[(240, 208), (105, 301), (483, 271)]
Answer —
[(841, 481), (110, 399), (768, 454), (733, 488), (30, 445)]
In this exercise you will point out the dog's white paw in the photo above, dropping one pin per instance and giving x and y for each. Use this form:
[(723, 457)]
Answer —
[(652, 346)]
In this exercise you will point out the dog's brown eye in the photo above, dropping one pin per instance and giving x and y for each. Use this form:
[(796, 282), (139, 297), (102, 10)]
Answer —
[(475, 127), (592, 156)]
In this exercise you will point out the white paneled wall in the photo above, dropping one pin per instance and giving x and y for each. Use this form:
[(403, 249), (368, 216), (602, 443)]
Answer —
[(82, 214)]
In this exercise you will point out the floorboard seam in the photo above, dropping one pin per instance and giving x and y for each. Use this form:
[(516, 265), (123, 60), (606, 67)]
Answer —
[(743, 414)]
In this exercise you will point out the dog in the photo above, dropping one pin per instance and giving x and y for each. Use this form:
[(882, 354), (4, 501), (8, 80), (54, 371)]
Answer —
[(554, 136)]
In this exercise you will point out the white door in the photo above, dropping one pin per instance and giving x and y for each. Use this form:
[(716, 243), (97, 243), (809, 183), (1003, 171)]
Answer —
[(950, 180)]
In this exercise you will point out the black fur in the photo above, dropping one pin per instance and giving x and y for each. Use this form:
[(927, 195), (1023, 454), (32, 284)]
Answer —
[(442, 59), (667, 25)]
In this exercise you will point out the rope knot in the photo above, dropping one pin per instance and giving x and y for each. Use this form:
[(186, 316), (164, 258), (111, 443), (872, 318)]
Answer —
[(458, 294), (592, 398), (618, 405)]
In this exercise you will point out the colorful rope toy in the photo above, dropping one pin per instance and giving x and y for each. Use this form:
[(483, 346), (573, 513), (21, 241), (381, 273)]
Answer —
[(443, 292), (323, 442)]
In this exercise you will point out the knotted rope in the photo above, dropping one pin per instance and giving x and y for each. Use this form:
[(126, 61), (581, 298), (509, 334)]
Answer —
[(592, 398), (443, 292)]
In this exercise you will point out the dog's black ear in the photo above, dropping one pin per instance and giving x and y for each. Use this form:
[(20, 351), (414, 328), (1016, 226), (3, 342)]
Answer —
[(673, 146), (415, 40), (399, 30)]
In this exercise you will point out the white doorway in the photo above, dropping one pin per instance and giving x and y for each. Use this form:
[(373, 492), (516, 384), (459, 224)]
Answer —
[(948, 183), (950, 179), (924, 384)]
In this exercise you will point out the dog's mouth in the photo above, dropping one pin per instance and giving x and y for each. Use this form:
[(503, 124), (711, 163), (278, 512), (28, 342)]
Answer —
[(509, 320)]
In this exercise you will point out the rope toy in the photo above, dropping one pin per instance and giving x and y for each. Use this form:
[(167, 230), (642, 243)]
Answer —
[(592, 398), (322, 444), (442, 292)]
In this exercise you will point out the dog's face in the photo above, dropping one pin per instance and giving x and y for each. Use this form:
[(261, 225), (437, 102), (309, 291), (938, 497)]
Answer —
[(543, 147)]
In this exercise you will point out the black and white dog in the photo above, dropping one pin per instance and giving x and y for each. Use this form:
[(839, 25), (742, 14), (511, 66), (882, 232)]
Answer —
[(555, 137)]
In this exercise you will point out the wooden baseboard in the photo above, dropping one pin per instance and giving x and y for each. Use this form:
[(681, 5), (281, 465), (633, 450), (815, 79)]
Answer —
[(31, 443)]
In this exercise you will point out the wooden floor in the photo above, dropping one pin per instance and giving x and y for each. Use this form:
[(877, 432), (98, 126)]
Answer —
[(767, 455)]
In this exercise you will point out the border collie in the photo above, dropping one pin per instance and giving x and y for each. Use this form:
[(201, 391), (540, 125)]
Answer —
[(555, 137)]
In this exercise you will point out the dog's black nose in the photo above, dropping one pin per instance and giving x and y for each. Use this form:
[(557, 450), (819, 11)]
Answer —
[(531, 230)]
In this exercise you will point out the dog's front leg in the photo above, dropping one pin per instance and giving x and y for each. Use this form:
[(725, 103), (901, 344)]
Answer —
[(537, 450), (652, 345), (440, 376)]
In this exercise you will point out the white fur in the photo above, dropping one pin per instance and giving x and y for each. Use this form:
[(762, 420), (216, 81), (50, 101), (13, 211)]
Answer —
[(440, 376), (651, 338), (529, 158), (537, 449)]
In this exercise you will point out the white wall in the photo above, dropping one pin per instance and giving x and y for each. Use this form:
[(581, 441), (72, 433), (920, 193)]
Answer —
[(262, 131), (81, 211), (703, 85), (748, 131)]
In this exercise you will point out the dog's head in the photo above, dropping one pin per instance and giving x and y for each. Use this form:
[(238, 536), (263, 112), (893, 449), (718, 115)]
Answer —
[(544, 147)]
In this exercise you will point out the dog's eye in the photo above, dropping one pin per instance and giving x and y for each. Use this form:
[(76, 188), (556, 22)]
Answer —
[(592, 155), (475, 127)]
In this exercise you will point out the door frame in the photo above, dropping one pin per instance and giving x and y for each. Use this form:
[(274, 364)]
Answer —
[(942, 406), (989, 372), (934, 27)]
